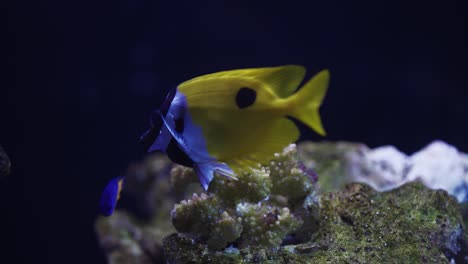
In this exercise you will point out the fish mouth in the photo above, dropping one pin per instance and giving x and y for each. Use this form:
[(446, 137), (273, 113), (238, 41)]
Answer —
[(164, 108)]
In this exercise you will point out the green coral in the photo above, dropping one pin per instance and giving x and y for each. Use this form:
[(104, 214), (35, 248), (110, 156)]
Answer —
[(256, 209), (288, 180), (204, 216), (182, 177), (266, 225), (227, 228), (251, 186)]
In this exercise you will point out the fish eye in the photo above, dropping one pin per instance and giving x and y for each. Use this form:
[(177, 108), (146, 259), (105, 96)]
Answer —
[(245, 97)]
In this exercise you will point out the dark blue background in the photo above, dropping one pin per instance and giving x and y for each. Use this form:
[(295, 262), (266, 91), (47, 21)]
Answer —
[(81, 78)]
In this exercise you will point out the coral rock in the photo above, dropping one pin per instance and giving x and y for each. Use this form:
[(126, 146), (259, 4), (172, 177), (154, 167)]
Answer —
[(125, 240)]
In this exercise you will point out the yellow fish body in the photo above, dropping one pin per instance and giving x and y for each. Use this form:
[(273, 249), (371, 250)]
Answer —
[(229, 121)]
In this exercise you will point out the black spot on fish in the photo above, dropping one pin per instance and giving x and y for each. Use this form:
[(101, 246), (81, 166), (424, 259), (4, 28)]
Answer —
[(177, 155), (245, 97), (179, 125)]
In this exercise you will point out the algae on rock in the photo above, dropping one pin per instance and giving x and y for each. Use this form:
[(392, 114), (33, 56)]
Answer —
[(411, 224)]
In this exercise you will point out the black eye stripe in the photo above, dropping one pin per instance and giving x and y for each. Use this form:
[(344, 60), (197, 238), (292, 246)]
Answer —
[(245, 97), (179, 125), (177, 155)]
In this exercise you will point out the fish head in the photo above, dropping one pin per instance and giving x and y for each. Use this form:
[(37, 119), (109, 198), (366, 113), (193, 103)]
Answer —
[(157, 137)]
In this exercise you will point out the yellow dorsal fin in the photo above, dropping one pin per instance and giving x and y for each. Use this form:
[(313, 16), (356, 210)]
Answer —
[(282, 80)]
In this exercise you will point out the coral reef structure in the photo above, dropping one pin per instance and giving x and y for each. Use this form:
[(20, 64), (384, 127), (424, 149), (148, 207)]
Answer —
[(412, 224), (279, 213)]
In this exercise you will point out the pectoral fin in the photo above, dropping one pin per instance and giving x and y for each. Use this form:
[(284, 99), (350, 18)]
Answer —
[(205, 172)]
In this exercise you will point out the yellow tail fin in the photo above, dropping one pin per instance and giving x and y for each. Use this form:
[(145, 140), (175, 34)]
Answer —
[(306, 102)]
